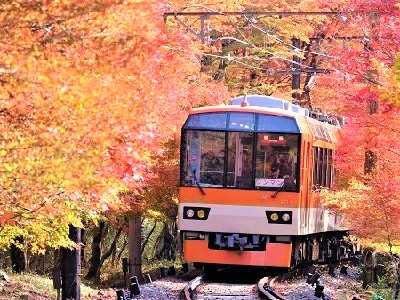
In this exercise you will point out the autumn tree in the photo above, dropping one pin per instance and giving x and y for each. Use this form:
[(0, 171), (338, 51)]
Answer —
[(368, 159), (351, 55), (89, 94), (92, 96), (250, 46)]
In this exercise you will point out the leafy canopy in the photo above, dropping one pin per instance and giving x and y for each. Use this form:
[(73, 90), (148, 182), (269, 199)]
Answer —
[(89, 94)]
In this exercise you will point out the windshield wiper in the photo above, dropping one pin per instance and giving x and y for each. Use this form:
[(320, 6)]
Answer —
[(280, 188), (197, 182)]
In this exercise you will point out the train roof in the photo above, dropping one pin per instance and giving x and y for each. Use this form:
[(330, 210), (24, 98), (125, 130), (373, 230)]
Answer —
[(272, 105), (270, 102)]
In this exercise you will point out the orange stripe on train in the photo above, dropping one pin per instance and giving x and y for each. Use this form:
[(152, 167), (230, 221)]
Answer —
[(245, 197)]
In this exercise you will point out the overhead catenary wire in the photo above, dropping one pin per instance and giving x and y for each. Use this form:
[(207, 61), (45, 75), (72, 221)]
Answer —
[(211, 11), (238, 59), (245, 41), (282, 41)]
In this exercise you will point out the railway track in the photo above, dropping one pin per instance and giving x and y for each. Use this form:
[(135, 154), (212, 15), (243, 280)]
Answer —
[(304, 283), (197, 289)]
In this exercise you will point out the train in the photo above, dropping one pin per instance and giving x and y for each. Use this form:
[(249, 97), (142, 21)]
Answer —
[(251, 173)]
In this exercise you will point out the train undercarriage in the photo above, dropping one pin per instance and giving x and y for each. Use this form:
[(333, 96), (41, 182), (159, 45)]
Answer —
[(287, 252), (326, 247)]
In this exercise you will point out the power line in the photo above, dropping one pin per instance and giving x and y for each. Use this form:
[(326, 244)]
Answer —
[(296, 71), (297, 67), (251, 13)]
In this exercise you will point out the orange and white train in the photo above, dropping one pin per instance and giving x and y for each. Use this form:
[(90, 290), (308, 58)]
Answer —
[(251, 172)]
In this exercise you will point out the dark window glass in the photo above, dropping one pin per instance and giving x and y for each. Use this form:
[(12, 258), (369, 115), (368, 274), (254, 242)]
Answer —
[(207, 121), (277, 160), (203, 158), (240, 160), (329, 169), (324, 167), (267, 123), (224, 150), (315, 167), (241, 121)]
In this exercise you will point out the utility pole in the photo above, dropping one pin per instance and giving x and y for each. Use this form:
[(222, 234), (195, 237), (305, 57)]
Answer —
[(296, 71)]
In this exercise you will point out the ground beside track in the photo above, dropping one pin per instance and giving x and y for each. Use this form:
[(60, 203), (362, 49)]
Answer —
[(169, 288)]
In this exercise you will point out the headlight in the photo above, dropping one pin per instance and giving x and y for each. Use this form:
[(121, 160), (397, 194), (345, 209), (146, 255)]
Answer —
[(190, 213), (274, 217), (201, 214), (279, 217), (196, 213), (285, 217)]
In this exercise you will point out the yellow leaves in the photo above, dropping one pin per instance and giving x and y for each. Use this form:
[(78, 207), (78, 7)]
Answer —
[(357, 185), (346, 199), (9, 167), (74, 128), (44, 79), (154, 214), (391, 83), (370, 209), (76, 222), (175, 200), (7, 236)]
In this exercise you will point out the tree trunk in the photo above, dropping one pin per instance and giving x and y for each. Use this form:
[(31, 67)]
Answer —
[(220, 74), (121, 251), (108, 253), (165, 246), (370, 157), (96, 251), (146, 240), (135, 251), (71, 267), (370, 162), (18, 261), (296, 76), (83, 240)]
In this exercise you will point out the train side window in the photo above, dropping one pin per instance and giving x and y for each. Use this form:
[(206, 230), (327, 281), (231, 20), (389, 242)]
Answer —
[(319, 166), (329, 169), (190, 160), (315, 167), (323, 169)]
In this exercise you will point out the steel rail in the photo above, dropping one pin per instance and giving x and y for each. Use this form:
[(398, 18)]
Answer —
[(188, 291), (265, 291)]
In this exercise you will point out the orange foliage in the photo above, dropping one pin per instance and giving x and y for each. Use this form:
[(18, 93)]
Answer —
[(90, 91), (360, 87)]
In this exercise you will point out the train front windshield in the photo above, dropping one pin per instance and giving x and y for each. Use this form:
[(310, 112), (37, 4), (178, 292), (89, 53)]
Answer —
[(240, 150)]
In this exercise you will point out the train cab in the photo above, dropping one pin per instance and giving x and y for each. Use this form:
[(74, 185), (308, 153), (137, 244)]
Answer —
[(248, 178)]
